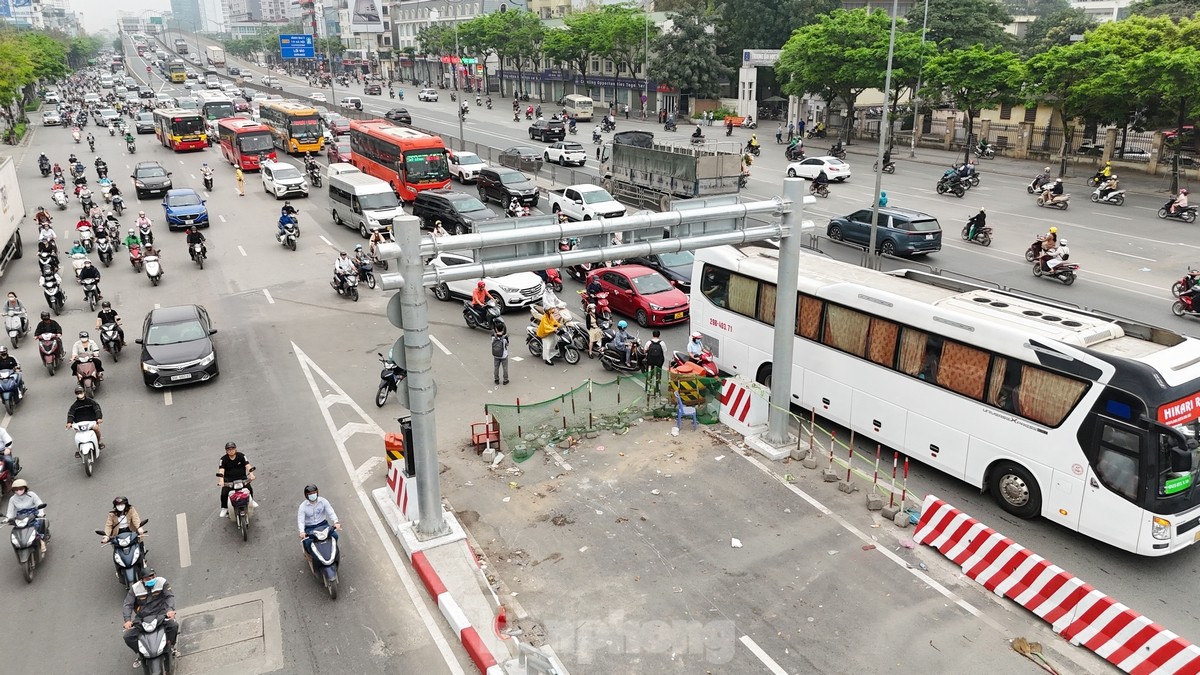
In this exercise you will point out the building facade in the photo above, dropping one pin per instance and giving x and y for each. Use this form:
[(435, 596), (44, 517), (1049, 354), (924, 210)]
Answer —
[(185, 14), (1103, 10)]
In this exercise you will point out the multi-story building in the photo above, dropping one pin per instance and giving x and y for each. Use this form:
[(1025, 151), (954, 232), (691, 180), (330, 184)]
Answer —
[(249, 11), (185, 14), (212, 17), (1103, 10)]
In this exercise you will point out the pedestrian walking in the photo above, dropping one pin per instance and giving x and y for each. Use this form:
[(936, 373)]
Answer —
[(791, 130), (241, 182), (779, 134), (656, 356), (711, 115), (499, 352), (626, 111)]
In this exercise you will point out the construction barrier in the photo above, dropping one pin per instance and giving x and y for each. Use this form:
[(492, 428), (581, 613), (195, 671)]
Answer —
[(744, 407), (1075, 610), (403, 490), (393, 448)]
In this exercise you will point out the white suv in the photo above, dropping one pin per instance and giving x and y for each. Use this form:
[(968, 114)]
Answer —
[(427, 95), (282, 180)]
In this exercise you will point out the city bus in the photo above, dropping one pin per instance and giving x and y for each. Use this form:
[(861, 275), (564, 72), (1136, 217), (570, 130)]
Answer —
[(406, 159), (295, 126), (180, 129), (215, 105), (176, 71), (244, 142), (1083, 418)]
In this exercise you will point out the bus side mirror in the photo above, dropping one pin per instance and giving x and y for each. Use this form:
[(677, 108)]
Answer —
[(1181, 461)]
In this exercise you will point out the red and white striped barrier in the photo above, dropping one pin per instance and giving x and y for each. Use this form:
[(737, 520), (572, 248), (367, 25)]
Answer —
[(403, 491), (1074, 609), (478, 651), (744, 407)]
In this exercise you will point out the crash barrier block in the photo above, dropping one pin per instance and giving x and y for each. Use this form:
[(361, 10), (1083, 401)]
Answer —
[(403, 489), (737, 121), (467, 635), (393, 448), (1074, 609), (744, 406)]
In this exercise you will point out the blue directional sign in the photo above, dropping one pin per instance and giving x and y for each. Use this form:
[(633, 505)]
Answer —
[(296, 46)]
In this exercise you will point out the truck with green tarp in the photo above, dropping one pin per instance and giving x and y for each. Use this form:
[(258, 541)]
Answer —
[(636, 169)]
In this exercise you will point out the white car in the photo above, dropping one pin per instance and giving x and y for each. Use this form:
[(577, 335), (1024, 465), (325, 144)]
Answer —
[(565, 152), (833, 168), (247, 76), (91, 98), (465, 166), (282, 179), (318, 96), (427, 95), (51, 118), (52, 98), (512, 290)]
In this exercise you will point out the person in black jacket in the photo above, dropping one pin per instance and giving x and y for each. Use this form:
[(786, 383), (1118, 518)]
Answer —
[(9, 362), (85, 409), (234, 466)]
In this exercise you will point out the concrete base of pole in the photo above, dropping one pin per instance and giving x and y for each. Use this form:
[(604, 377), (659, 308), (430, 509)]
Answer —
[(411, 540), (829, 475), (799, 454), (810, 462), (769, 450), (846, 486), (901, 520), (889, 512), (874, 502)]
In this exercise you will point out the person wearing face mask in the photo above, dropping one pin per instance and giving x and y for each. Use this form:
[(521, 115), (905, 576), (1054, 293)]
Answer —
[(314, 512), (122, 518), (24, 499), (85, 409), (17, 308), (150, 597)]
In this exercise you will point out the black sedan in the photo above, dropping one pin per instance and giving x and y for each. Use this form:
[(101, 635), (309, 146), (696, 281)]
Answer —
[(177, 346), (398, 115), (522, 158), (676, 267)]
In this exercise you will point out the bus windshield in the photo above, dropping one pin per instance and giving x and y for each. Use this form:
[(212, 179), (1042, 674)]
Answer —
[(259, 141), (305, 127), (426, 166), (1178, 467), (218, 111), (177, 68), (187, 125)]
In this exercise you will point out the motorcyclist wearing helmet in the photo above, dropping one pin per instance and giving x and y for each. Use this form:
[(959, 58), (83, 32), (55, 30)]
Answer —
[(132, 239), (975, 223), (1109, 186), (152, 596), (286, 218), (479, 296), (360, 257), (15, 307), (1050, 241), (622, 341), (85, 409), (1054, 190), (9, 362), (122, 518), (6, 453), (48, 325), (287, 209), (234, 467), (23, 499), (315, 511), (194, 236), (1180, 202), (91, 272), (695, 346), (342, 267), (77, 247), (109, 315)]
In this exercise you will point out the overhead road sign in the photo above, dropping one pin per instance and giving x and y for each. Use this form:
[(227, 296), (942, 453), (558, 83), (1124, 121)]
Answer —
[(296, 46)]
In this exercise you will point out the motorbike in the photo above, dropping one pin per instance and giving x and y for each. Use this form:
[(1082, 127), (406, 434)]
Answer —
[(241, 506), (613, 359), (346, 286), (75, 135), (110, 338), (135, 258), (607, 126), (44, 167), (1185, 284), (91, 143), (815, 133), (952, 185), (86, 445), (484, 317), (87, 374), (314, 174), (1096, 179), (365, 273), (574, 328), (25, 540), (888, 167), (199, 253), (970, 180), (291, 233), (1187, 215), (48, 261), (131, 147), (982, 236), (1116, 197), (571, 128), (91, 292), (1065, 272), (323, 558), (1186, 305), (552, 278), (1056, 201), (55, 297), (60, 199), (603, 311), (838, 150), (17, 325), (698, 140), (819, 190), (986, 151), (104, 249), (389, 379), (145, 234), (705, 360), (10, 393), (208, 180), (112, 130), (118, 204), (7, 477), (794, 153), (153, 268), (129, 555), (87, 237), (157, 655), (51, 351), (1039, 184), (671, 126), (566, 349), (86, 200), (755, 150), (597, 139)]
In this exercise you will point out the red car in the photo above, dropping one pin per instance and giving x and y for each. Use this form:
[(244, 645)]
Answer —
[(642, 293), (338, 151)]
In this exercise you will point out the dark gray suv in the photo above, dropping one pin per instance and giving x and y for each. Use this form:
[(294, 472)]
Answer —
[(150, 178), (503, 184), (458, 211), (902, 232), (547, 131)]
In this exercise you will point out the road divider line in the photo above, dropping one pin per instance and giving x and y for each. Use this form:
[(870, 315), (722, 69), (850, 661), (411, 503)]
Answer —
[(762, 655), (1129, 255), (223, 220), (327, 242), (167, 398), (157, 306), (242, 251), (440, 345), (6, 421), (270, 300), (185, 549)]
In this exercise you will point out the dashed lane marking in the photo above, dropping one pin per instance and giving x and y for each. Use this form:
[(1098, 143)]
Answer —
[(240, 249), (167, 398), (270, 300), (440, 345), (185, 549)]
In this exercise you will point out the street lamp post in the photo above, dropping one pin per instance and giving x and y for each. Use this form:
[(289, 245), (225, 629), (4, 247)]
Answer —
[(883, 139), (455, 64), (912, 148)]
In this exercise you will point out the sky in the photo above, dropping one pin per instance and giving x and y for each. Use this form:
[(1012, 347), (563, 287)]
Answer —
[(99, 15)]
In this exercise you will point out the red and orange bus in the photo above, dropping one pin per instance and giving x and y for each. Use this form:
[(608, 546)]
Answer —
[(244, 142), (180, 129), (408, 160)]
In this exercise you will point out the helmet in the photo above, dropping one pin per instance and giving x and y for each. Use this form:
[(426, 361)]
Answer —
[(1114, 176), (591, 307), (1053, 230), (83, 335), (1046, 170), (106, 304), (78, 390), (310, 489), (981, 209), (230, 444), (358, 247), (1057, 180), (481, 285), (141, 213), (696, 335), (75, 242), (87, 263), (45, 316), (120, 500), (20, 483), (3, 350), (343, 254), (132, 231), (621, 324), (1108, 164)]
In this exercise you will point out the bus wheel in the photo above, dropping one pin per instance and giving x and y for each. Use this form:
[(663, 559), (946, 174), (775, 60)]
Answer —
[(1015, 490), (764, 375)]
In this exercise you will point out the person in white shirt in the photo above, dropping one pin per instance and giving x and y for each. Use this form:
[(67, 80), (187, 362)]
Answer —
[(314, 512)]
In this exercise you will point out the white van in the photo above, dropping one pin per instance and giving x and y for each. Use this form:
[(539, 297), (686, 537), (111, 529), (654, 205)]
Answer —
[(578, 106), (106, 81), (362, 202), (339, 168)]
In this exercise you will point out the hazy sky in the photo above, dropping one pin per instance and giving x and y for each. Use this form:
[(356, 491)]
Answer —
[(100, 14)]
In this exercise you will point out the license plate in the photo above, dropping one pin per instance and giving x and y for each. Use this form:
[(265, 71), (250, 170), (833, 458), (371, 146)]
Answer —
[(678, 315), (185, 376), (929, 236)]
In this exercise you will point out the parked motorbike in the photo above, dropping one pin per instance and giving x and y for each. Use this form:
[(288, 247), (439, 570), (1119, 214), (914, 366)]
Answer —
[(86, 445), (1187, 215), (110, 338), (484, 317), (323, 558), (389, 379), (566, 349), (347, 286), (16, 325), (51, 350), (25, 540), (129, 555), (1056, 201), (153, 268)]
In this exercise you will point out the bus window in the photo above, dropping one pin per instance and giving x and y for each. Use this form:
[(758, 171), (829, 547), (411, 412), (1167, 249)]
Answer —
[(809, 317), (846, 330), (1046, 397), (964, 370), (766, 304), (1117, 461), (742, 294), (881, 348), (715, 286)]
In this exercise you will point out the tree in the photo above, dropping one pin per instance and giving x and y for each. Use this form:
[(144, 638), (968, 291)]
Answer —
[(435, 40), (1170, 72), (574, 45), (959, 24), (838, 57), (1172, 9), (511, 36), (686, 56), (622, 38), (1062, 76), (1055, 29), (330, 45), (908, 61), (763, 24), (975, 79)]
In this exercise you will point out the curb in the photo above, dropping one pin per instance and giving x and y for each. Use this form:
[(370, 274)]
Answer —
[(476, 649)]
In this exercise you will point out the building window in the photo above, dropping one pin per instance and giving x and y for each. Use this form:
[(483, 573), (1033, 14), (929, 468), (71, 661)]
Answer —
[(1031, 113), (1006, 111)]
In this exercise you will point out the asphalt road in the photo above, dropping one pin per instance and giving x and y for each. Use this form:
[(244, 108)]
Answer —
[(1129, 258)]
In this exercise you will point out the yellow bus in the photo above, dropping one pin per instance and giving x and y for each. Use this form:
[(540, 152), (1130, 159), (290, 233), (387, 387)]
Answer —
[(295, 127), (177, 71)]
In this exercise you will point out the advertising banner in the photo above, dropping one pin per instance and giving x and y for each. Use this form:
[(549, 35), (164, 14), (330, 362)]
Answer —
[(365, 16)]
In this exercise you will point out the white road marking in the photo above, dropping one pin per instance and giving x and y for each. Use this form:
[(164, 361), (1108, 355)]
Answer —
[(762, 655), (223, 220), (385, 537), (185, 550), (440, 345), (1129, 255), (157, 306), (327, 242), (6, 421), (242, 251), (270, 300), (167, 399), (1109, 215), (192, 175)]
